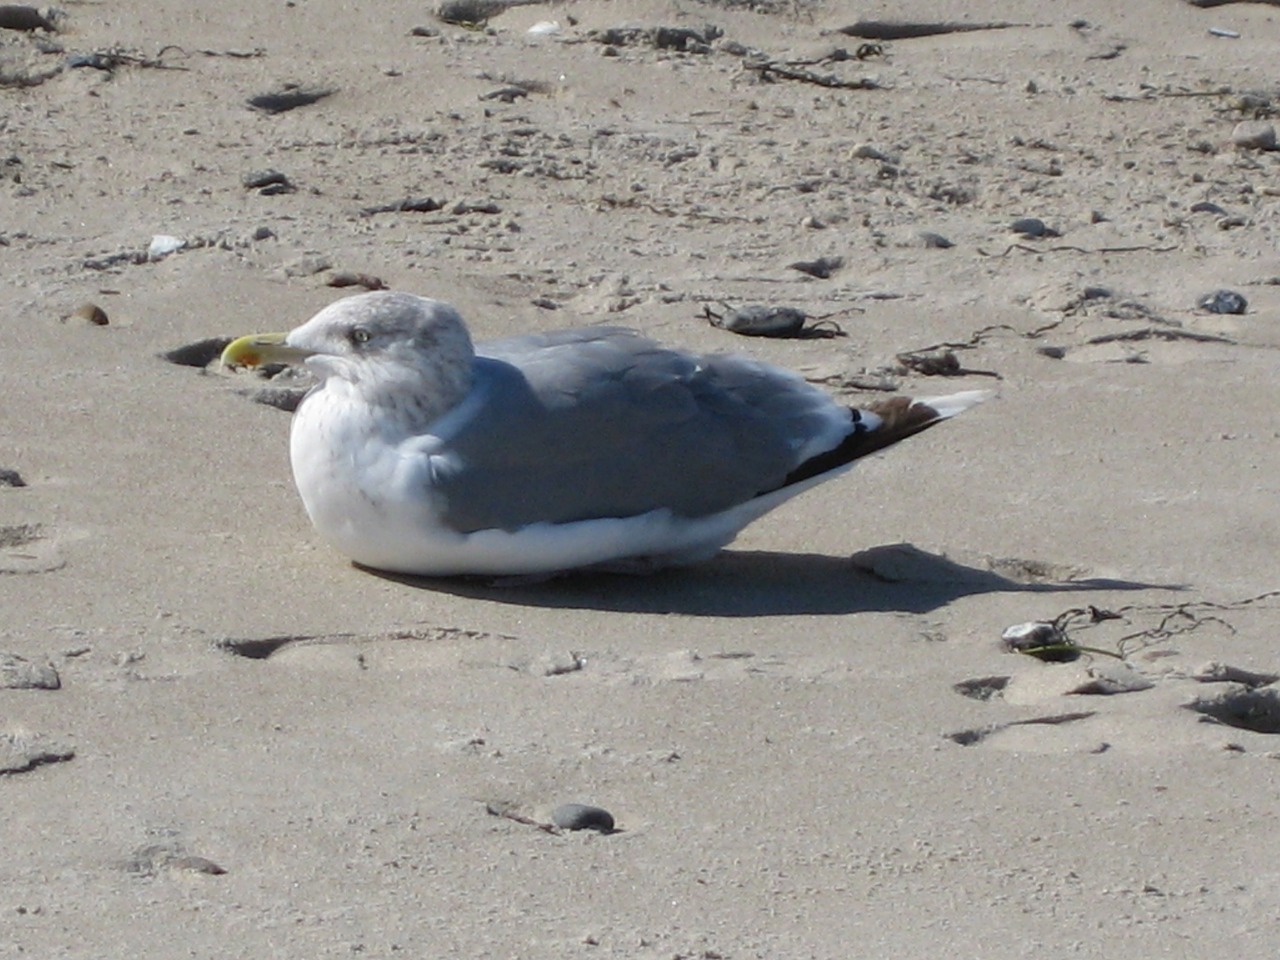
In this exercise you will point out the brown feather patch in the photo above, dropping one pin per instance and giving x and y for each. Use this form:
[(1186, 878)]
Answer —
[(902, 417)]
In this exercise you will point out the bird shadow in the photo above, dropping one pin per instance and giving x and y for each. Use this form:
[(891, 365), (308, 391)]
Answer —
[(899, 578)]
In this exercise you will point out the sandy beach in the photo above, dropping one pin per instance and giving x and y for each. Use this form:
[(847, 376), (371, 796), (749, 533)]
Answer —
[(218, 738)]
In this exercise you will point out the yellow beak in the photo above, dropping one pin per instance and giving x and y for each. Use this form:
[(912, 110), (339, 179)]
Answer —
[(259, 348)]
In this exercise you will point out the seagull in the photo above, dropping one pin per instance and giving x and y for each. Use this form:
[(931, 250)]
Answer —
[(419, 453)]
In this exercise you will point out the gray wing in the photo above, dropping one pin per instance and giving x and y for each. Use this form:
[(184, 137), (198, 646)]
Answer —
[(602, 422)]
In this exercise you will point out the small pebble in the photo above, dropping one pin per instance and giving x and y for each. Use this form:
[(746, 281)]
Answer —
[(934, 241), (1052, 352), (1204, 206), (579, 816), (290, 98), (268, 183), (11, 478), (1223, 301), (346, 278), (760, 320), (1254, 135), (822, 268), (1031, 227), (92, 313), (22, 17), (865, 151)]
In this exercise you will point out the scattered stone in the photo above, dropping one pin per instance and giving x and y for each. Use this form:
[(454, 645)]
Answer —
[(264, 233), (201, 353), (1204, 206), (20, 752), (934, 241), (1052, 352), (21, 17), (762, 320), (580, 816), (1254, 135), (19, 673), (463, 207), (11, 478), (90, 313), (162, 245), (759, 320), (663, 38), (1223, 301), (865, 151), (407, 205), (424, 32), (268, 182), (506, 94), (822, 268), (1032, 228), (472, 13), (289, 98), (344, 278)]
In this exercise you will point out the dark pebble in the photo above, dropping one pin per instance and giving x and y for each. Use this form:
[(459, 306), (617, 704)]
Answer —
[(1204, 206), (287, 99), (759, 320), (1223, 301), (822, 268), (1052, 352), (579, 816), (21, 17), (934, 241), (1031, 227), (257, 179), (11, 478)]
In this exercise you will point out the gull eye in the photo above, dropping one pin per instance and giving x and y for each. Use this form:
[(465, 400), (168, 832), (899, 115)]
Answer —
[(360, 335)]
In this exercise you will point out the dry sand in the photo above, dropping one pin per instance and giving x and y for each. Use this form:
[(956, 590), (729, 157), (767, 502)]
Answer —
[(774, 730)]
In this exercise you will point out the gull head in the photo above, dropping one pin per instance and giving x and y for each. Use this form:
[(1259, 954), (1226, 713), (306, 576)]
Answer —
[(392, 349)]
